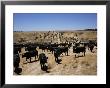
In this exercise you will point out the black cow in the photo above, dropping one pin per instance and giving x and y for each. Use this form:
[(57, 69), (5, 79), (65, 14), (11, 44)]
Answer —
[(57, 54), (16, 64), (77, 44), (43, 47), (30, 48), (52, 49), (18, 45), (91, 46), (17, 50), (64, 50), (16, 60), (58, 51), (18, 71), (63, 44), (85, 43), (30, 54), (79, 49), (69, 45), (43, 61)]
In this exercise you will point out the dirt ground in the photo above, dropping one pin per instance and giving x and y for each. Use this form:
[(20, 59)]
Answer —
[(70, 65)]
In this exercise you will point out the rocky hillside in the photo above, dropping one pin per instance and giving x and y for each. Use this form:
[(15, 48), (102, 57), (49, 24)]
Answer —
[(52, 36)]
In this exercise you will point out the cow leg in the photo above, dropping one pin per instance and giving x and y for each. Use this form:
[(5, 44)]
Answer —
[(55, 59), (75, 55), (67, 53), (38, 59), (84, 53), (26, 58), (41, 66), (91, 50), (78, 54), (30, 59), (88, 48), (35, 57)]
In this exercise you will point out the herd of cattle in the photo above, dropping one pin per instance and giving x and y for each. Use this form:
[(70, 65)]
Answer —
[(55, 49)]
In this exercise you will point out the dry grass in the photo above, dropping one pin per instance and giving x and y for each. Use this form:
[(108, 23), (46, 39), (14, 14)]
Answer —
[(53, 36)]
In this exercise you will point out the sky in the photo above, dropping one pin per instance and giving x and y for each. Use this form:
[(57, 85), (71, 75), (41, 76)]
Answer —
[(54, 21)]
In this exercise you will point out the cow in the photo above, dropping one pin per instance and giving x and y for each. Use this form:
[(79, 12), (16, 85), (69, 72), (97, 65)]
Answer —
[(16, 64), (63, 44), (52, 49), (43, 47), (79, 49), (91, 46), (57, 53), (64, 50), (43, 61), (85, 43), (30, 48), (16, 60), (17, 50), (69, 45), (77, 44), (30, 54), (18, 71)]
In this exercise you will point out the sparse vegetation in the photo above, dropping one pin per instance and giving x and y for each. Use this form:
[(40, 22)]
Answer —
[(53, 36)]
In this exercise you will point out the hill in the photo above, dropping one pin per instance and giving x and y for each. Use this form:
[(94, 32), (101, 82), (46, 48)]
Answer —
[(54, 36)]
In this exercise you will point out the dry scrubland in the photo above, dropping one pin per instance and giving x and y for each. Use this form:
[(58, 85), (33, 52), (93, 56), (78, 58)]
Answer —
[(69, 65), (53, 36)]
